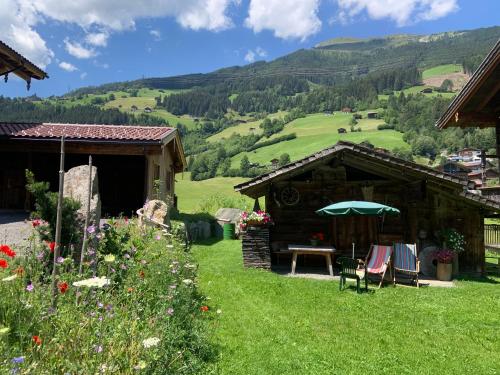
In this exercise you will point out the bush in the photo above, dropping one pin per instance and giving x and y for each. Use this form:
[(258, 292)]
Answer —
[(46, 209), (385, 126), (151, 319), (211, 204)]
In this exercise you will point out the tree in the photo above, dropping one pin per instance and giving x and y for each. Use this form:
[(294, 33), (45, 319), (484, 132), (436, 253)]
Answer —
[(284, 159), (111, 97), (244, 165), (446, 86)]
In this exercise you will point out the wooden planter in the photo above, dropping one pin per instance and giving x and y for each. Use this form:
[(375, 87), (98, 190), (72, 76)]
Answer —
[(444, 271)]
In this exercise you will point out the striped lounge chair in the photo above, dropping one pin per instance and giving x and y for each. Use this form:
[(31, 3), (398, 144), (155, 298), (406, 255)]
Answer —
[(406, 260), (377, 261)]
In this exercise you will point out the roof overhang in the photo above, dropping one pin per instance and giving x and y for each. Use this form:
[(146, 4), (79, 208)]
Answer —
[(13, 62), (478, 103)]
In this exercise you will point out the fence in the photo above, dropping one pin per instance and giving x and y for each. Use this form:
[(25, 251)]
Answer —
[(492, 234)]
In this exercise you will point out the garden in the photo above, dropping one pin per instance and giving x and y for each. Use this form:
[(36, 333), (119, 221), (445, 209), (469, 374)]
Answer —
[(131, 306)]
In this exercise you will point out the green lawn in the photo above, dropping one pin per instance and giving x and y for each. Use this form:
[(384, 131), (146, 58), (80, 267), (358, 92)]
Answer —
[(416, 89), (442, 69), (271, 324), (192, 193)]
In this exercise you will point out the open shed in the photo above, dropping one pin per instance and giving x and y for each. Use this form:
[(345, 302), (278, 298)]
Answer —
[(429, 201), (129, 160)]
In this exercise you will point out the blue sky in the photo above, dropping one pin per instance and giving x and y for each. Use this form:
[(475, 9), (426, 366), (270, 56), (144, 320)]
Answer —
[(90, 42)]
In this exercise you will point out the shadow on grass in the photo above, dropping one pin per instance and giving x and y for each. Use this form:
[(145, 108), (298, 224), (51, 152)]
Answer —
[(478, 279)]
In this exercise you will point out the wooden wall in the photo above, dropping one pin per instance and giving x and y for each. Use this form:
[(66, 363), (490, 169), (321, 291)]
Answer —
[(423, 206)]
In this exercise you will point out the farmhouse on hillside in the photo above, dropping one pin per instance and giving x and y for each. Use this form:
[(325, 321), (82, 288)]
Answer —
[(429, 201), (129, 159)]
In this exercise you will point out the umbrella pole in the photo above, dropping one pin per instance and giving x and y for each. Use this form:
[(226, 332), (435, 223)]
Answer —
[(353, 250)]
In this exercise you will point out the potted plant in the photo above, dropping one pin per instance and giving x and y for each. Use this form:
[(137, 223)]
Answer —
[(254, 219), (454, 241), (444, 264), (316, 238)]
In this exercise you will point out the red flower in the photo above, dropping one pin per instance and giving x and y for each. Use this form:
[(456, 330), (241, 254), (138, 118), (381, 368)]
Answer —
[(3, 263), (204, 308), (63, 287), (37, 340), (36, 223), (52, 246), (7, 251), (142, 274)]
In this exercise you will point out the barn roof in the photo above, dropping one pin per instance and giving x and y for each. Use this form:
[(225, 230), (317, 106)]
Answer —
[(255, 185), (12, 61), (120, 133), (478, 103)]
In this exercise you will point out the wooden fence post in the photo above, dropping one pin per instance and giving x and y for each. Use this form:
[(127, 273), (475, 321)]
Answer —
[(87, 218), (57, 249)]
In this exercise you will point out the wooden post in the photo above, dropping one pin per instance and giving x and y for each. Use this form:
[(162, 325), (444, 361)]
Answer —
[(497, 132), (163, 174), (57, 249), (87, 218)]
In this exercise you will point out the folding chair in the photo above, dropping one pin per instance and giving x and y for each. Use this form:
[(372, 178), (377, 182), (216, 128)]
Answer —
[(377, 261), (406, 260)]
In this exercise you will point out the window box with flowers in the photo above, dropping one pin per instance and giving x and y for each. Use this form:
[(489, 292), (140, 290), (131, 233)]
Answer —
[(254, 219), (444, 264)]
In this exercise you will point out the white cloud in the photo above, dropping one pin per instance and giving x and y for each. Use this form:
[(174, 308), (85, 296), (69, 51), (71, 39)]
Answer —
[(67, 66), (250, 56), (291, 19), (77, 50), (17, 19), (403, 12), (83, 75), (261, 52), (97, 39), (156, 34), (121, 14)]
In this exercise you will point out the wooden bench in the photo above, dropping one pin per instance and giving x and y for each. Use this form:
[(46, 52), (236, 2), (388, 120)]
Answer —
[(326, 251)]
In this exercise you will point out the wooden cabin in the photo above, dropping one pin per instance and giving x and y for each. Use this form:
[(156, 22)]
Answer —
[(129, 159), (13, 62), (429, 201), (372, 115)]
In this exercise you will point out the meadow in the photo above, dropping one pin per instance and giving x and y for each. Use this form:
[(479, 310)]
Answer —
[(317, 131), (273, 324), (441, 70)]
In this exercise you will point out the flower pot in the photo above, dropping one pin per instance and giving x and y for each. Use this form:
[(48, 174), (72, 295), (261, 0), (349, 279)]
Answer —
[(455, 270), (444, 271), (314, 242)]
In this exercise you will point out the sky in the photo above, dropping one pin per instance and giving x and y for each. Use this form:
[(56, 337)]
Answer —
[(91, 42)]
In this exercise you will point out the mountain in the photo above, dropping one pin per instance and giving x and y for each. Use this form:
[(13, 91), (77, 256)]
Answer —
[(337, 60)]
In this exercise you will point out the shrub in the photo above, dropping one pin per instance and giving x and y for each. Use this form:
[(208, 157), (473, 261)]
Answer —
[(211, 204), (386, 126)]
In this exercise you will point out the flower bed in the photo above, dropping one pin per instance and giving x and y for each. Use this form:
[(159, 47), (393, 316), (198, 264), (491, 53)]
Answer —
[(142, 311)]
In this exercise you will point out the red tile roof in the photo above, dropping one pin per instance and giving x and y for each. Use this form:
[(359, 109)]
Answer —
[(85, 132)]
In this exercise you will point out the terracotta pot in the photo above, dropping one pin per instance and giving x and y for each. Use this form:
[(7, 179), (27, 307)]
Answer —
[(455, 270), (444, 271)]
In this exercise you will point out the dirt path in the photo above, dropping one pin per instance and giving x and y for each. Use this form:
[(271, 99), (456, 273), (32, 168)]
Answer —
[(14, 229)]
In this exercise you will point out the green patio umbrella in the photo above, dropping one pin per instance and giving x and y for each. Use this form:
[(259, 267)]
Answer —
[(357, 208)]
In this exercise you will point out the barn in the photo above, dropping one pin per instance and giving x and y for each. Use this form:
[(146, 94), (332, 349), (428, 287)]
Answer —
[(129, 160), (429, 200)]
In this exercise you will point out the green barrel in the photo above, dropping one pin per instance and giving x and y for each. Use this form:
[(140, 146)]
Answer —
[(229, 230)]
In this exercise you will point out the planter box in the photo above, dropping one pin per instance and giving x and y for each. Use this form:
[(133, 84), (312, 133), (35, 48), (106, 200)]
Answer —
[(255, 247), (444, 271)]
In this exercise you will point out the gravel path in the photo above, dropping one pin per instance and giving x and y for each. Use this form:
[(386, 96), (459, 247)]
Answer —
[(14, 229)]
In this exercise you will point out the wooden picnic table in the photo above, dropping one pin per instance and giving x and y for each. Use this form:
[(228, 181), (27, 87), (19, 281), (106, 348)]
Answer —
[(326, 251)]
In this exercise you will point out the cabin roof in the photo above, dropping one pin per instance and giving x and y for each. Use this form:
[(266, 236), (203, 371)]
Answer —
[(12, 61), (477, 104), (381, 159)]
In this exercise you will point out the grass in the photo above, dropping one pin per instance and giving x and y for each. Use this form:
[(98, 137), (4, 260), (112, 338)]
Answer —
[(442, 69), (271, 324), (416, 90), (192, 193), (244, 128)]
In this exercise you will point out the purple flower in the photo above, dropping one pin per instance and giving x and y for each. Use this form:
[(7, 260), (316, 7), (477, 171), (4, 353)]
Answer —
[(40, 256), (173, 286), (158, 237), (30, 288), (90, 252), (127, 256), (112, 270), (100, 305), (174, 270), (123, 266), (170, 311), (98, 348), (109, 307), (60, 260), (91, 229), (18, 360)]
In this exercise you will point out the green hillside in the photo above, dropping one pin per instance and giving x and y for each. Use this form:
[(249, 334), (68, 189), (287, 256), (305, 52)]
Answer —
[(317, 131), (441, 69)]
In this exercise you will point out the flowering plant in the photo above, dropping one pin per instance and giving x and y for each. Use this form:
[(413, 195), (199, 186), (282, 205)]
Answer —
[(454, 240), (445, 256), (254, 218), (318, 236)]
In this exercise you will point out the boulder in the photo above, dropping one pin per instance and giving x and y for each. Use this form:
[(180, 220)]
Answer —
[(156, 210), (76, 186), (227, 215)]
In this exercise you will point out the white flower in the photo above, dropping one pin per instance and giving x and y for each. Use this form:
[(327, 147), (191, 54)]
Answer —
[(98, 282), (110, 258), (219, 311), (187, 281), (10, 278), (150, 342)]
